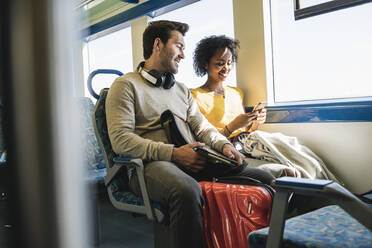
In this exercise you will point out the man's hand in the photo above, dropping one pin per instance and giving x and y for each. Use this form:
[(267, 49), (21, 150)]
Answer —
[(230, 152), (187, 157)]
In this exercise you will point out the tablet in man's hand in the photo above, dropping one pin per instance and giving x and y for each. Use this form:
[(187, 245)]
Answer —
[(215, 157)]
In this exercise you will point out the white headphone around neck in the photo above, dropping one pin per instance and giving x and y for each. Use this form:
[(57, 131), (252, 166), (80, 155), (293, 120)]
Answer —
[(155, 78)]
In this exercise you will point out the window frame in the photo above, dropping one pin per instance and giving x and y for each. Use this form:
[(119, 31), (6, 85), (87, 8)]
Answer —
[(151, 8), (323, 8), (343, 111), (353, 109)]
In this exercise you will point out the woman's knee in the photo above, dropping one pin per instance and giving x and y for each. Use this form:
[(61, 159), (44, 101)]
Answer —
[(259, 174)]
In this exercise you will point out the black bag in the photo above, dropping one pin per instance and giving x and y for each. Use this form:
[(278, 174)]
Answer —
[(177, 130), (180, 133)]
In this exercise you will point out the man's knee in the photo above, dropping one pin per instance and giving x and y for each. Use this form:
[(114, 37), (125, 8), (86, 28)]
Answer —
[(187, 192), (167, 182)]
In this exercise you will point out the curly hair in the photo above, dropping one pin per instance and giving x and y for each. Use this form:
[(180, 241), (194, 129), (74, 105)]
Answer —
[(160, 29), (207, 48)]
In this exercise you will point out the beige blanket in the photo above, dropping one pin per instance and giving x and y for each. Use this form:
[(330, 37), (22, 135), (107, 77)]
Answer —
[(277, 148)]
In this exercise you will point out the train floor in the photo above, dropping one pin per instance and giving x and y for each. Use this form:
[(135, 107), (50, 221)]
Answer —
[(121, 229), (118, 229)]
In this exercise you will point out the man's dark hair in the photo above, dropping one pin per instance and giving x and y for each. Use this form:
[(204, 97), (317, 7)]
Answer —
[(162, 30), (207, 48)]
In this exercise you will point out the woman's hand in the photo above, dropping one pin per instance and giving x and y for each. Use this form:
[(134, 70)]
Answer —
[(187, 157), (251, 119), (261, 118), (242, 120)]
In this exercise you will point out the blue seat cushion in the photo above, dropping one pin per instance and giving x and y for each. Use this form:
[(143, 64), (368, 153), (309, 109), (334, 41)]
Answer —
[(96, 175), (128, 197), (327, 227)]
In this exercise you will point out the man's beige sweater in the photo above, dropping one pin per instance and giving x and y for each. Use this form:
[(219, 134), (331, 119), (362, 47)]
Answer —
[(133, 109)]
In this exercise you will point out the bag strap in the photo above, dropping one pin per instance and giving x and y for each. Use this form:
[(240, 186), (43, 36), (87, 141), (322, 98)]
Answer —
[(241, 179), (245, 180)]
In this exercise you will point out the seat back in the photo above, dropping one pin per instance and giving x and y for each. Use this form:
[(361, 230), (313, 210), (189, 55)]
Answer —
[(119, 193), (92, 154), (101, 133), (100, 128)]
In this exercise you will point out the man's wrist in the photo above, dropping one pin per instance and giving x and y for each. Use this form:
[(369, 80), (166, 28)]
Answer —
[(173, 157)]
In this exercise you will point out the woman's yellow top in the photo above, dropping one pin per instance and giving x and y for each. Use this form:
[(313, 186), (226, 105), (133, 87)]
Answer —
[(220, 110)]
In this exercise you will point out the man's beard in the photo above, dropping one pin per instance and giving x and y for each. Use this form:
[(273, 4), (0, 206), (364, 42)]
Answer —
[(167, 64)]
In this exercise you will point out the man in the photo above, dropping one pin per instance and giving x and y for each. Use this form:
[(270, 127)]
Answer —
[(134, 104)]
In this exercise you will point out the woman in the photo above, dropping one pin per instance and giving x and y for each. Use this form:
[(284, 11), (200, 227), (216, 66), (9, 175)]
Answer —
[(222, 105)]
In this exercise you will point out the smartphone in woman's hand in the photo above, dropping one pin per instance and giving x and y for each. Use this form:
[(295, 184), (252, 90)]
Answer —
[(259, 106)]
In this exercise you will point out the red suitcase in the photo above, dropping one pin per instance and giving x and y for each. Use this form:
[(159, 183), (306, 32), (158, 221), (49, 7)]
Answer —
[(232, 211)]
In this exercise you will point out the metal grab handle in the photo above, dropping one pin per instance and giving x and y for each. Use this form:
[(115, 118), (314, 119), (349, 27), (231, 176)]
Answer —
[(99, 71)]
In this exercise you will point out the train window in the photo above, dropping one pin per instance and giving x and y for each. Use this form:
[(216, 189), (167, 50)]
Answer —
[(112, 51), (309, 8), (324, 57), (217, 20)]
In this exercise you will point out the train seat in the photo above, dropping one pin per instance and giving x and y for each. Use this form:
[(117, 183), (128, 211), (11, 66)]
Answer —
[(326, 227), (348, 223), (93, 157), (96, 158), (116, 180)]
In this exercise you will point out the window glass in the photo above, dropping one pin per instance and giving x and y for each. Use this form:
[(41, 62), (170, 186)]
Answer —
[(113, 51), (207, 17), (310, 3), (328, 56)]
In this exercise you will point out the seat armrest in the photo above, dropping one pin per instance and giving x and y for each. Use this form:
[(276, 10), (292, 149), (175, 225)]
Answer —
[(300, 183), (128, 161), (138, 165)]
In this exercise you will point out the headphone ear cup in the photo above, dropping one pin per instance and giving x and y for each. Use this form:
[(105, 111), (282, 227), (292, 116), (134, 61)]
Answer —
[(169, 81), (159, 79)]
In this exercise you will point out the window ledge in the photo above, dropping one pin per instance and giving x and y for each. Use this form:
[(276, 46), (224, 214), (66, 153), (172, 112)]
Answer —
[(348, 111)]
